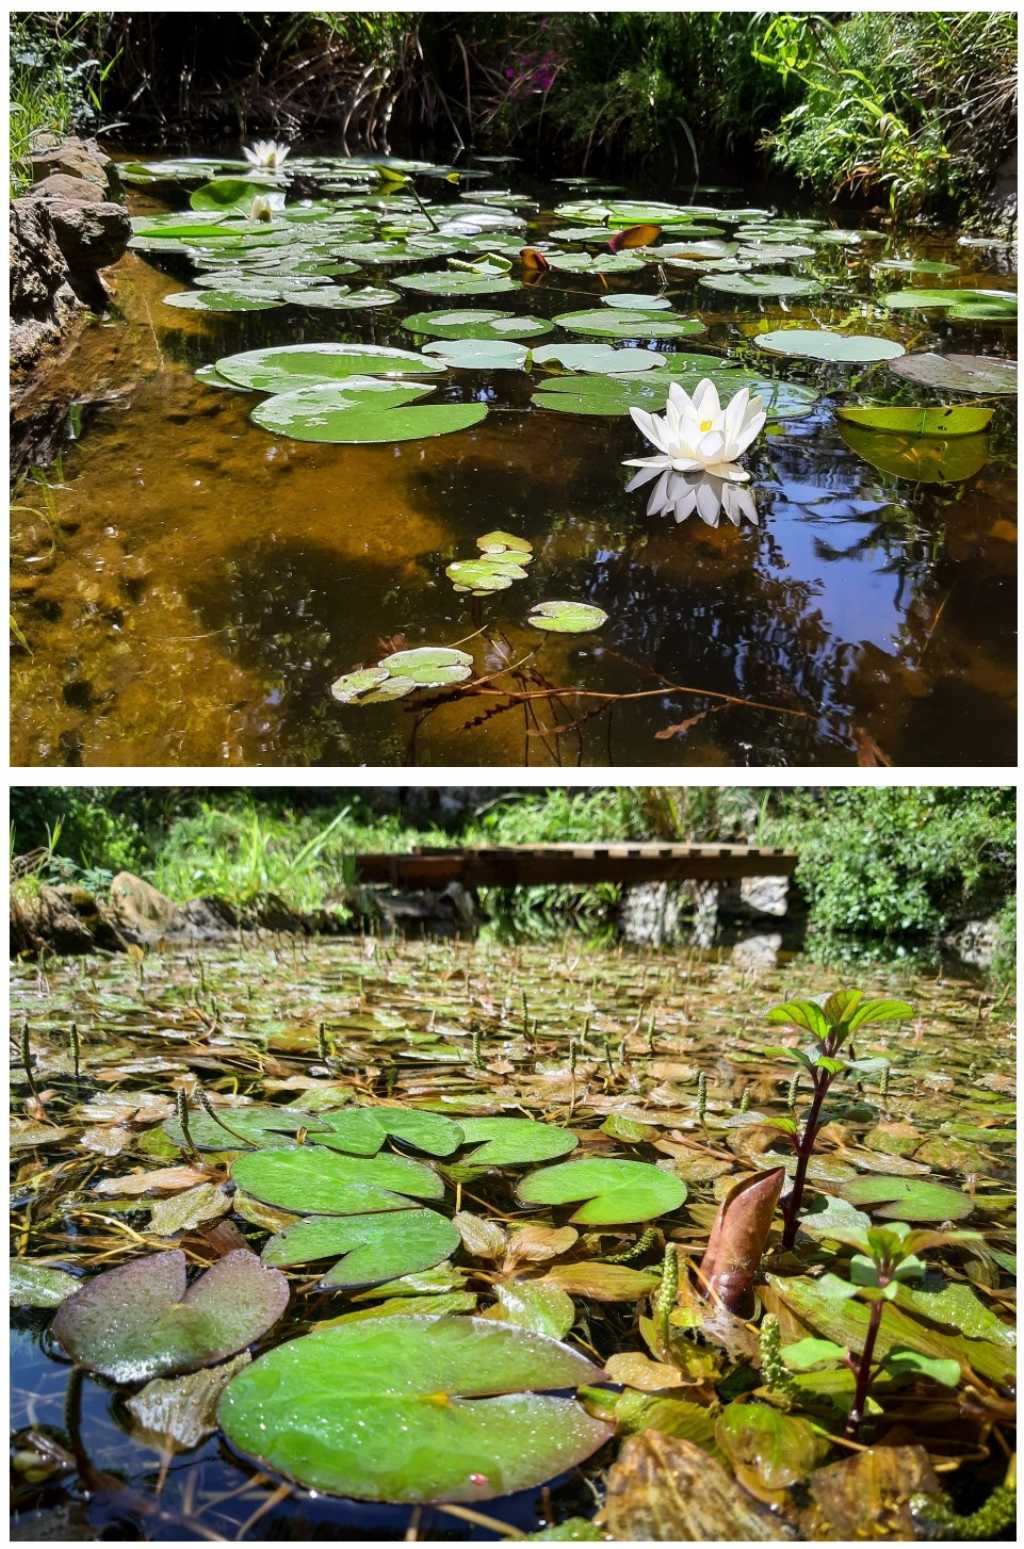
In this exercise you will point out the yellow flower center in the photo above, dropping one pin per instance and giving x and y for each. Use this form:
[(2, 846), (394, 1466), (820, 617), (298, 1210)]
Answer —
[(706, 425)]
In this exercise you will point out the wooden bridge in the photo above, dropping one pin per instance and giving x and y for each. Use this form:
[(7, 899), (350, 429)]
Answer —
[(528, 865)]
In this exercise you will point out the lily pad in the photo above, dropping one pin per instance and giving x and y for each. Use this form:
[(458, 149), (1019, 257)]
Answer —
[(479, 354), (629, 325), (258, 1125), (39, 1285), (922, 459), (959, 373), (284, 368), (511, 1142), (566, 618), (944, 420), (341, 415), (615, 1191), (908, 1199), (617, 395), (142, 1320), (377, 1247), (490, 573), (820, 344), (454, 282), (983, 305), (411, 1409), (429, 666), (220, 301), (760, 285), (602, 358), (312, 1180), (363, 1131), (226, 194), (476, 324)]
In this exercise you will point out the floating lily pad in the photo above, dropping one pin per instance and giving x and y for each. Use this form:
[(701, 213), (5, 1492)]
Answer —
[(456, 282), (629, 325), (479, 354), (820, 344), (39, 1285), (311, 1180), (617, 395), (354, 687), (258, 1125), (394, 677), (760, 285), (945, 420), (377, 1247), (490, 573), (225, 194), (342, 297), (499, 542), (511, 1142), (362, 1131), (412, 1409), (922, 459), (470, 324), (981, 305), (284, 368), (332, 413), (637, 302), (915, 266), (616, 1192), (600, 263), (959, 373), (142, 1320), (602, 358), (219, 301), (429, 666), (908, 1199), (566, 618)]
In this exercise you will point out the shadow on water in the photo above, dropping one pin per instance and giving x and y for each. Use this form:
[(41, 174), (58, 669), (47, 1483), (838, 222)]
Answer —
[(192, 586)]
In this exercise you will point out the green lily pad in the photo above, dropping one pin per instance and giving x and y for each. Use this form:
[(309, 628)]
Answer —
[(602, 358), (499, 542), (511, 1142), (599, 263), (39, 1285), (541, 1309), (284, 368), (566, 618), (428, 666), (760, 285), (820, 344), (915, 266), (456, 282), (479, 354), (923, 459), (377, 1247), (311, 1180), (226, 194), (259, 1125), (357, 687), (616, 1192), (490, 573), (945, 420), (992, 305), (342, 297), (219, 301), (341, 415), (412, 1409), (959, 373), (470, 324), (142, 1320), (908, 1199), (629, 325), (617, 395), (363, 1131), (635, 301)]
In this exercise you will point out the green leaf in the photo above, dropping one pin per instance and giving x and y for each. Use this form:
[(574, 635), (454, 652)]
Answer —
[(919, 459), (476, 324), (333, 413), (628, 325), (649, 390), (452, 282), (219, 301), (841, 1004), (39, 1285), (377, 1247), (768, 1447), (566, 618), (802, 1013), (780, 1051), (284, 368), (541, 1309), (479, 354), (833, 1066), (142, 1320), (911, 1363), (600, 358), (805, 1355), (314, 1181), (760, 285), (959, 373), (944, 420), (835, 1289), (820, 344), (872, 1012), (908, 1199), (616, 1192), (410, 1409), (225, 195), (512, 1142)]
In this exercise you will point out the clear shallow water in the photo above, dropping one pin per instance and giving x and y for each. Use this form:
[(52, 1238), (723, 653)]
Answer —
[(199, 583)]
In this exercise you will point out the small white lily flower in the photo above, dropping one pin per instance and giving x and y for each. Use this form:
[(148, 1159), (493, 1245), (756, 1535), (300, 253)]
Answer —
[(696, 435), (261, 209), (271, 154), (679, 495)]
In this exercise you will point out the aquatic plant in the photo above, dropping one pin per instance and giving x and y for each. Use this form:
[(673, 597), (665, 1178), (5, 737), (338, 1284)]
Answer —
[(680, 495), (698, 435), (738, 1237), (269, 154), (832, 1022)]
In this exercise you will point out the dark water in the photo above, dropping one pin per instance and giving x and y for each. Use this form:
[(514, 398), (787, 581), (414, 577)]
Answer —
[(193, 585)]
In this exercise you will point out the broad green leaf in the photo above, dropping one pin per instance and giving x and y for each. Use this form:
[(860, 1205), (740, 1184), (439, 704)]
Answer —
[(602, 358), (226, 195), (871, 1012), (142, 1320), (649, 390), (908, 1199), (767, 1447), (940, 421), (541, 1309), (454, 282), (911, 1363), (512, 1142), (284, 368), (802, 1013), (39, 1285), (476, 324), (615, 1191), (330, 413), (363, 1131), (411, 1409), (993, 305), (628, 325), (219, 301), (479, 354), (760, 285), (820, 344), (377, 1247), (314, 1181), (841, 1005), (566, 618), (920, 459), (805, 1355)]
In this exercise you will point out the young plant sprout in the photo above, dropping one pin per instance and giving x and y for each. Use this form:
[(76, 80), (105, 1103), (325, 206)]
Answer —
[(887, 1257), (831, 1023)]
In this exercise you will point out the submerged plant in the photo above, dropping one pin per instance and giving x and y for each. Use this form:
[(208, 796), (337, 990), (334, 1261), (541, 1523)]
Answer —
[(696, 435), (832, 1023)]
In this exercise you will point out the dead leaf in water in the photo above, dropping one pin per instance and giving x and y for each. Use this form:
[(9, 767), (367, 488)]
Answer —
[(663, 1488)]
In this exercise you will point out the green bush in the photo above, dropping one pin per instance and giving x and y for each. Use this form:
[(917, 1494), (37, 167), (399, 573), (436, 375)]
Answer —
[(55, 83)]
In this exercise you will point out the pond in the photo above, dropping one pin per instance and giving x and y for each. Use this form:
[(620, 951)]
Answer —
[(192, 582), (652, 1063)]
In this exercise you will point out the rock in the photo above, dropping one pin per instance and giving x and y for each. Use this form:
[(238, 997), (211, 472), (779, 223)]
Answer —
[(77, 159), (90, 236), (59, 919), (975, 942), (757, 951), (60, 187), (43, 303), (142, 911), (652, 914)]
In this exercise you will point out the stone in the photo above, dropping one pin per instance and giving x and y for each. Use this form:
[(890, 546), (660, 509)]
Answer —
[(75, 158), (43, 303), (975, 942), (60, 186), (90, 236), (141, 910), (651, 914)]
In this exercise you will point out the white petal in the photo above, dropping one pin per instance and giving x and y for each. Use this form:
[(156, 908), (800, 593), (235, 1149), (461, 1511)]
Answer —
[(664, 461), (706, 403), (731, 471), (687, 464), (710, 447), (735, 413), (686, 503), (708, 503), (638, 480), (748, 433), (680, 398), (651, 427)]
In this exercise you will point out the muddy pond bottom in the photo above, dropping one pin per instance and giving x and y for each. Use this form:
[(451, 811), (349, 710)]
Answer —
[(188, 585)]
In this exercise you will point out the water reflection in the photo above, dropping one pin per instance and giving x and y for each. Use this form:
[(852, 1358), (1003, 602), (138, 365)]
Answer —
[(679, 495)]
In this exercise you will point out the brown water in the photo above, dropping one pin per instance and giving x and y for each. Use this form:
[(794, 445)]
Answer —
[(192, 585)]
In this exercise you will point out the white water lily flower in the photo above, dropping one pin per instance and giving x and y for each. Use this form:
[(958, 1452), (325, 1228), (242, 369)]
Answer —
[(680, 495), (266, 153), (261, 209), (696, 435)]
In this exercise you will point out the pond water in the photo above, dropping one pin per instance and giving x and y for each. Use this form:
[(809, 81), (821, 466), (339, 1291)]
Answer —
[(465, 1028), (192, 584)]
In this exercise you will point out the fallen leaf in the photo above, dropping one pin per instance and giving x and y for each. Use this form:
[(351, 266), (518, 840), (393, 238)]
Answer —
[(184, 1211), (604, 1282), (635, 1370), (662, 1488), (165, 1180), (482, 1239), (537, 1244), (181, 1411)]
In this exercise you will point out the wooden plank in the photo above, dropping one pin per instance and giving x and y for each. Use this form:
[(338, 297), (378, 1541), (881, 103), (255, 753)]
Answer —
[(531, 865)]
